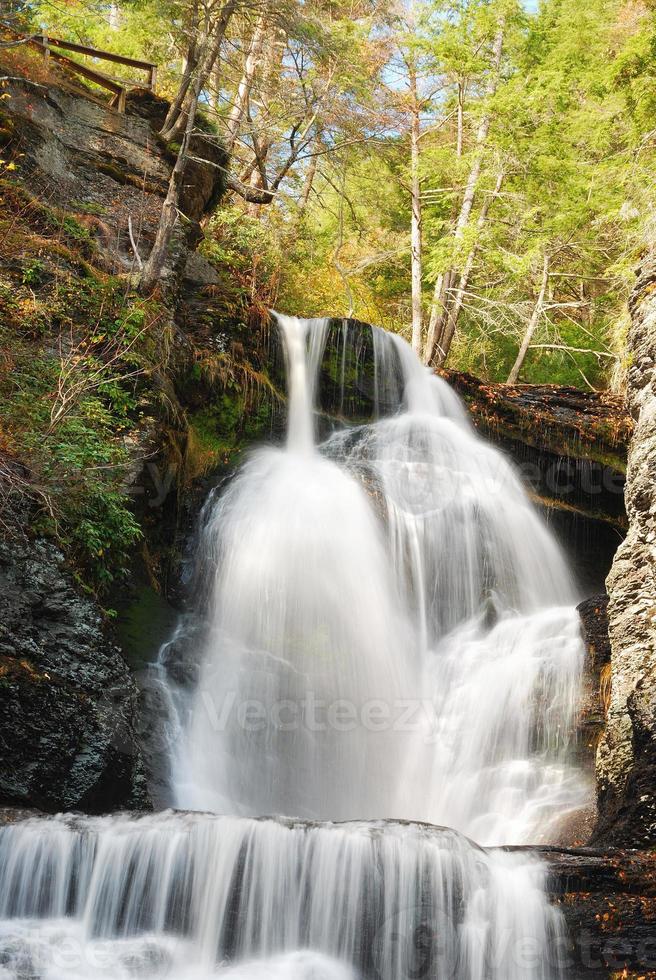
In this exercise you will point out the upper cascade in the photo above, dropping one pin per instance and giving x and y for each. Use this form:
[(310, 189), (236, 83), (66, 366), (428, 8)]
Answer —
[(390, 625)]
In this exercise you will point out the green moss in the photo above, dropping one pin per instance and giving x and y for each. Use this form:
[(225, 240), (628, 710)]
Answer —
[(224, 428), (89, 207), (215, 431), (143, 625)]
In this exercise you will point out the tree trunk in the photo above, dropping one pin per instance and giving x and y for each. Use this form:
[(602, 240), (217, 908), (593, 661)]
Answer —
[(253, 59), (256, 173), (308, 182), (532, 324), (415, 222), (176, 122), (434, 320), (157, 259), (461, 118), (191, 62), (439, 307), (446, 338)]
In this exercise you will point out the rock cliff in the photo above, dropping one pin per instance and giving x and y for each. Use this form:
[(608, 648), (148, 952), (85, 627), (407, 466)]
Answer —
[(626, 759), (68, 699)]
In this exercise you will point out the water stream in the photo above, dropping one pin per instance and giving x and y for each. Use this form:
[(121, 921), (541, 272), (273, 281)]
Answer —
[(386, 639)]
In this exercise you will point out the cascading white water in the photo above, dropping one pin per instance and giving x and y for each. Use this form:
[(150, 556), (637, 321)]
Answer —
[(307, 635), (491, 608), (391, 635), (176, 894), (393, 631)]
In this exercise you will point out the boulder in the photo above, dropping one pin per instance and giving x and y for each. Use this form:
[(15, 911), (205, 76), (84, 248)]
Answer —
[(67, 699)]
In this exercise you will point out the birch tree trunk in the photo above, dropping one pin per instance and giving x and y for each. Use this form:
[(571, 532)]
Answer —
[(415, 224), (206, 56), (532, 324), (441, 296), (445, 341), (190, 65), (252, 63)]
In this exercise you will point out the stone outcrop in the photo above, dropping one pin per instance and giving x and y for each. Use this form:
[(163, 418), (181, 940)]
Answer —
[(67, 728), (571, 445), (594, 623), (626, 759), (108, 169), (608, 900)]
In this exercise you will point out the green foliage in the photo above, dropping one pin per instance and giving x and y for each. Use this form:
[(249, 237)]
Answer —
[(77, 351), (33, 272), (251, 249), (571, 127)]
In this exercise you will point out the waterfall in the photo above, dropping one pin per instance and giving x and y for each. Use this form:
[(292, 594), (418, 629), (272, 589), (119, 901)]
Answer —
[(176, 894), (392, 630), (385, 642)]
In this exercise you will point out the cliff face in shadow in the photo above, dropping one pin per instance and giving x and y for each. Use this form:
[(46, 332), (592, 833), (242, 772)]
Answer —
[(92, 430), (68, 700)]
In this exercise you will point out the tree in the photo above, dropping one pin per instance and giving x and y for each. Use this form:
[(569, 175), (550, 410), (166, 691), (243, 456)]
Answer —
[(443, 315), (397, 169), (532, 324)]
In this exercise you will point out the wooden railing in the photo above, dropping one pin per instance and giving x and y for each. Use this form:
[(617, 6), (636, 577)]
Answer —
[(49, 48)]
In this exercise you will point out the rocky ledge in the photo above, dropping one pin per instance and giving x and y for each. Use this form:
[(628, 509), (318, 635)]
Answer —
[(570, 444), (608, 899)]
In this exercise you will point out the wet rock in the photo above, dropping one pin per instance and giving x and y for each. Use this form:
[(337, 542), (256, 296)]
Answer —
[(594, 623), (67, 700), (608, 900)]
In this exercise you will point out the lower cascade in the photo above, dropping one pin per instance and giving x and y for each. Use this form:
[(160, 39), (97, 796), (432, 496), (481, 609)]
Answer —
[(384, 644), (176, 894)]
